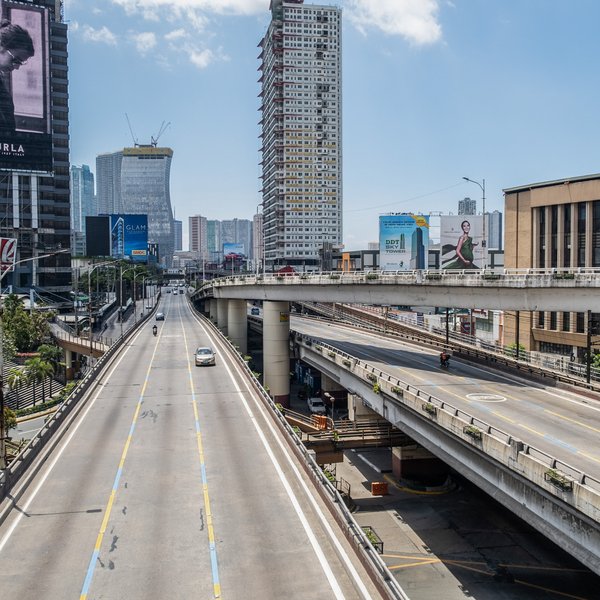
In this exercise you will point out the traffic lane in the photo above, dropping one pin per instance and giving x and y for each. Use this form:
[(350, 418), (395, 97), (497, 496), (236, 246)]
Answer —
[(264, 548), (55, 528), (156, 544), (533, 413), (26, 429)]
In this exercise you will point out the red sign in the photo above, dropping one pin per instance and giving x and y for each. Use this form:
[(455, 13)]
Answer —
[(8, 252)]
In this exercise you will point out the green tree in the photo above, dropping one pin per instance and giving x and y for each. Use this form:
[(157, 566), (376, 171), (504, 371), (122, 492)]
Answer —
[(15, 379), (511, 350), (51, 354), (10, 420), (38, 371)]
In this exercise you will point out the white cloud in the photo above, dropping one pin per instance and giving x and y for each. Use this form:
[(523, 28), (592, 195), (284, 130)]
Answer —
[(176, 34), (144, 42), (202, 58), (415, 20), (102, 35)]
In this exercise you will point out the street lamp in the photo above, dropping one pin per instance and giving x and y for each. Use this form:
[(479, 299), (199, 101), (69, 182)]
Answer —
[(484, 241), (2, 426)]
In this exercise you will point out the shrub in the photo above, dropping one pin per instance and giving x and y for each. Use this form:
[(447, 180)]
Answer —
[(372, 377), (346, 363)]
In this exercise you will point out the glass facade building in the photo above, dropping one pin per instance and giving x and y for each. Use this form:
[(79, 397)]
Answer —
[(145, 190), (108, 181), (82, 196)]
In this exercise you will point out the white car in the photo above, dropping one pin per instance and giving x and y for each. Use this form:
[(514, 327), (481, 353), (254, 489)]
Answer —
[(316, 406), (204, 356)]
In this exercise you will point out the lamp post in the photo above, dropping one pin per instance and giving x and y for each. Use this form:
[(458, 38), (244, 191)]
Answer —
[(2, 422), (484, 240)]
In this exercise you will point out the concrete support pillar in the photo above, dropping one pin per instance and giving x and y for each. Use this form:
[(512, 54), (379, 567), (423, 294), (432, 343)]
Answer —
[(69, 365), (212, 310), (276, 350), (237, 324), (222, 315), (415, 463)]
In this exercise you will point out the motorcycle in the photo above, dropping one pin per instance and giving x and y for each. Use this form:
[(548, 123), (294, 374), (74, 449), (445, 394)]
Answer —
[(155, 330), (444, 360)]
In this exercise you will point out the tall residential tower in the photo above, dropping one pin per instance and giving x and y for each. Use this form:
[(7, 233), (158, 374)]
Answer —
[(301, 95)]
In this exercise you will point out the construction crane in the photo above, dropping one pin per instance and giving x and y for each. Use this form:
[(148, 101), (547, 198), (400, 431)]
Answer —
[(135, 142), (163, 128)]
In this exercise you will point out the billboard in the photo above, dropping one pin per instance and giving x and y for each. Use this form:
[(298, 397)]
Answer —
[(403, 242), (8, 253), (97, 240), (461, 242), (25, 116), (238, 249), (129, 237)]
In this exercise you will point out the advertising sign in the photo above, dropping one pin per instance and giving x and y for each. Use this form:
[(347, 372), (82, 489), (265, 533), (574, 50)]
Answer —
[(8, 253), (403, 242), (97, 237), (129, 237), (25, 118), (237, 249), (460, 240)]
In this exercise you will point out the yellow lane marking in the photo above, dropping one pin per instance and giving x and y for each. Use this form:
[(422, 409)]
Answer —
[(594, 429), (532, 430)]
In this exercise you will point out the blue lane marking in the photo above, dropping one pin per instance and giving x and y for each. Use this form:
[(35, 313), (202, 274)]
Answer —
[(561, 443)]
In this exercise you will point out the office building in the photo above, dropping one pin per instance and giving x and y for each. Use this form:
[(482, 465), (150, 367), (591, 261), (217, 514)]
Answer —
[(136, 181), (145, 190), (198, 236), (554, 224), (82, 196), (178, 235), (237, 231), (495, 233), (257, 241), (213, 241), (34, 197), (467, 207), (108, 182), (301, 132)]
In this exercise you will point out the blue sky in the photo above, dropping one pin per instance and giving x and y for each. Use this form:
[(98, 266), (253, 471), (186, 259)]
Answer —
[(433, 90)]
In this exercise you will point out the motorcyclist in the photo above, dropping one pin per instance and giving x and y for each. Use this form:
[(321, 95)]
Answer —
[(444, 358), (155, 330)]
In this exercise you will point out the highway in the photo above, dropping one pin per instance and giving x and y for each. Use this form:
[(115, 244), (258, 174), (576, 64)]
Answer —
[(174, 483), (561, 423)]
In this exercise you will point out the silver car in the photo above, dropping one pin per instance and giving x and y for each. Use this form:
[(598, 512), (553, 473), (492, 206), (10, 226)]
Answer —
[(205, 356)]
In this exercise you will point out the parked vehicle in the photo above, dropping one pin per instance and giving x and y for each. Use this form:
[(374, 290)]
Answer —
[(316, 406), (255, 311), (205, 356)]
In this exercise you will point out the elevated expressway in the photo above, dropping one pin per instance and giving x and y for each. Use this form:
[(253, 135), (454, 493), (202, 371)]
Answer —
[(531, 447), (171, 481)]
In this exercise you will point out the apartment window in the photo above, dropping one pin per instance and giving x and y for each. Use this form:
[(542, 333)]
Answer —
[(566, 321), (553, 321), (567, 235), (542, 229), (541, 319), (553, 237), (596, 233), (580, 323), (581, 234)]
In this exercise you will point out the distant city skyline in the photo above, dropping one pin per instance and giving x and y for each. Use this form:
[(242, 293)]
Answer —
[(433, 91)]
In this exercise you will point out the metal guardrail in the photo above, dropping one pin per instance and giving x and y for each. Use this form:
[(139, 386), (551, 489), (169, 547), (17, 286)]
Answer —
[(353, 531), (50, 434)]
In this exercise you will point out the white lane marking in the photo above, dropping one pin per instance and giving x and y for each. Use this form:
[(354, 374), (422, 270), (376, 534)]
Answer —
[(51, 466), (486, 397), (318, 550)]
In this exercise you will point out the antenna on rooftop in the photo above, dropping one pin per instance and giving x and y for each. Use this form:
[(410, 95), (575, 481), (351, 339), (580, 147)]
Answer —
[(135, 142), (163, 128)]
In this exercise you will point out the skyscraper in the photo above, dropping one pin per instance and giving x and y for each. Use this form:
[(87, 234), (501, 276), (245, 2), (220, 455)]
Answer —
[(213, 241), (108, 181), (237, 231), (178, 235), (145, 178), (82, 196), (34, 202), (257, 240), (136, 181), (198, 236), (301, 134), (467, 207)]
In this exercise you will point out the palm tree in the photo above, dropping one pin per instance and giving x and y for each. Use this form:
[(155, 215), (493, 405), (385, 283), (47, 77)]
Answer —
[(15, 379), (37, 371)]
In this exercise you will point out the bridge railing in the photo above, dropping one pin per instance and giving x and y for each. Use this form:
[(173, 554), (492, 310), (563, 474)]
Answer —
[(469, 428)]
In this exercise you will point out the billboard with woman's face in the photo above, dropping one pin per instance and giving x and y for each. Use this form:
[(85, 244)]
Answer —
[(461, 240), (25, 119)]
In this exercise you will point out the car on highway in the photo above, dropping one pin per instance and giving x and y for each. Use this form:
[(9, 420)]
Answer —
[(205, 356), (255, 311), (160, 316), (316, 406)]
